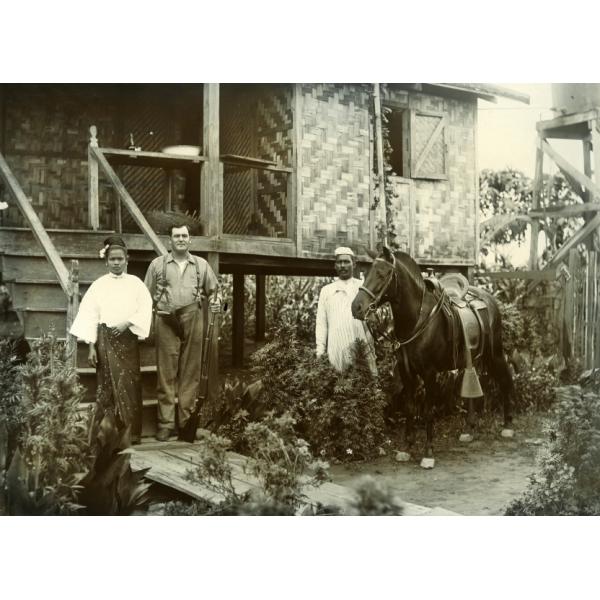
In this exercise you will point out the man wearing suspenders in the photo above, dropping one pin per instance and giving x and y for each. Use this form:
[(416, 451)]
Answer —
[(179, 283)]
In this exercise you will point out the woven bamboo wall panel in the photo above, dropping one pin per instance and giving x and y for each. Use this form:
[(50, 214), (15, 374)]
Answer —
[(445, 210), (256, 121), (334, 170), (400, 211), (46, 135)]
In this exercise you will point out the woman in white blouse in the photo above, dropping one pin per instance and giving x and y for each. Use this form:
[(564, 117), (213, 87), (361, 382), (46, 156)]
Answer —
[(114, 314)]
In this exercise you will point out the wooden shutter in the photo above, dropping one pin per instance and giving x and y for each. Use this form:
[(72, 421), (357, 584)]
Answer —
[(427, 145)]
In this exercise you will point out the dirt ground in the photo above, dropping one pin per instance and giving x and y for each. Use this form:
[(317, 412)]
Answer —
[(478, 478)]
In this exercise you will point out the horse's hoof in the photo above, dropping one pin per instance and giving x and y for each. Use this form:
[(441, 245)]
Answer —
[(508, 433), (402, 456), (427, 463), (465, 437)]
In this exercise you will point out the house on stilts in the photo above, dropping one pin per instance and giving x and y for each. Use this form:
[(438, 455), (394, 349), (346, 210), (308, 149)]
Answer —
[(280, 174)]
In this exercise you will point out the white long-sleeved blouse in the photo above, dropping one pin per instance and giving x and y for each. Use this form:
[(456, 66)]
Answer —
[(111, 300)]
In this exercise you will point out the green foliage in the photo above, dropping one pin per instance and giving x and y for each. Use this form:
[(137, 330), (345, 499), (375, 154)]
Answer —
[(53, 440), (567, 480), (290, 302), (339, 414), (63, 459), (374, 498), (280, 461), (11, 410)]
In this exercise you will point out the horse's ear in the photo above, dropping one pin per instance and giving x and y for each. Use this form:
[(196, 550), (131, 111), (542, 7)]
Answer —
[(387, 253), (372, 253)]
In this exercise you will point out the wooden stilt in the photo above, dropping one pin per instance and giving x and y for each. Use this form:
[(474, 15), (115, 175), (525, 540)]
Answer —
[(238, 321), (261, 298)]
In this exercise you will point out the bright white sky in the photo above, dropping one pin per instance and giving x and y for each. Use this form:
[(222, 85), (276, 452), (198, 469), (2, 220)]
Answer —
[(507, 134)]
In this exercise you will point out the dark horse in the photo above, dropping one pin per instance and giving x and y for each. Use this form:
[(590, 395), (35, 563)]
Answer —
[(426, 337)]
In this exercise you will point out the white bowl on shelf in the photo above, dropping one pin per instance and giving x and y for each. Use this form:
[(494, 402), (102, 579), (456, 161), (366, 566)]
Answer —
[(182, 150)]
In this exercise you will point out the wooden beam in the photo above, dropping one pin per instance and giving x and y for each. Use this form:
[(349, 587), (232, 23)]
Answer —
[(379, 154), (261, 303), (36, 225), (212, 200), (130, 204), (573, 210), (2, 115), (537, 186), (566, 121), (297, 164), (582, 179), (93, 187), (238, 321), (491, 90)]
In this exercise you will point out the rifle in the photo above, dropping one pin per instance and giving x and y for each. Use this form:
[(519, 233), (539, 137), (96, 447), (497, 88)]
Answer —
[(188, 432)]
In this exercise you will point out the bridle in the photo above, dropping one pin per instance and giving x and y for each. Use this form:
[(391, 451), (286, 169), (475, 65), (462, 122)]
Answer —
[(419, 328), (377, 299)]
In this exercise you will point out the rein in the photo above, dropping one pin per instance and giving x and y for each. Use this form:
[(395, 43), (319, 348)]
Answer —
[(419, 329)]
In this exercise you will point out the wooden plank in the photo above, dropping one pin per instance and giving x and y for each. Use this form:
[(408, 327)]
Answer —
[(237, 338), (36, 225), (2, 115), (566, 121), (130, 204), (117, 156), (544, 275), (569, 306), (72, 308), (261, 304), (93, 189), (590, 309)]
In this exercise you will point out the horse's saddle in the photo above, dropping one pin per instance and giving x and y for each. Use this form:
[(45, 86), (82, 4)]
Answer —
[(467, 312)]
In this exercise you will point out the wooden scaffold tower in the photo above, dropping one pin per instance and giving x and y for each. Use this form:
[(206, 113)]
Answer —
[(581, 322)]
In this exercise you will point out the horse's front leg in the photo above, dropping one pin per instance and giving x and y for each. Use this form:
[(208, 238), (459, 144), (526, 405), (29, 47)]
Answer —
[(431, 396), (470, 422), (409, 406)]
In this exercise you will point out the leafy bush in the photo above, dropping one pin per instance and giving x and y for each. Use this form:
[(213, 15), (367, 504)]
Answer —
[(339, 414), (63, 457), (567, 480), (280, 461)]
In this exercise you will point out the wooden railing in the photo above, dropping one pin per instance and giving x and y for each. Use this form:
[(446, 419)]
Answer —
[(98, 160), (69, 280)]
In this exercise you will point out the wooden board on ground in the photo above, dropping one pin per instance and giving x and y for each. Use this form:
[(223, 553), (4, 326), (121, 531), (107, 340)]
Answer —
[(170, 463)]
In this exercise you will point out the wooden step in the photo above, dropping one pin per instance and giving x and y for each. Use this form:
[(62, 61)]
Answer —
[(37, 267), (41, 293), (87, 378), (40, 321)]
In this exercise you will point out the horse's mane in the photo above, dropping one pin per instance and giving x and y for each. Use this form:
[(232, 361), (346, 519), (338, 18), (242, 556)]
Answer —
[(411, 266)]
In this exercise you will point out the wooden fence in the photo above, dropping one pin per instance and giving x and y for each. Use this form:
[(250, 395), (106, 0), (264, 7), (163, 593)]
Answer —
[(582, 322)]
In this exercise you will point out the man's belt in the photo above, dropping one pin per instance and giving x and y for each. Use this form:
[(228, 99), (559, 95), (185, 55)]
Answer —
[(172, 318)]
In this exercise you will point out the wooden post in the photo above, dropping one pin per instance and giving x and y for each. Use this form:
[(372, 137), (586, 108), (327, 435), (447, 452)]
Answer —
[(591, 309), (238, 321), (72, 308), (535, 225), (297, 165), (2, 116), (569, 309), (261, 298), (211, 207), (379, 155), (93, 191)]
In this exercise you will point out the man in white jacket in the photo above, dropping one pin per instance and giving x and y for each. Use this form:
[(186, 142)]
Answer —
[(336, 328)]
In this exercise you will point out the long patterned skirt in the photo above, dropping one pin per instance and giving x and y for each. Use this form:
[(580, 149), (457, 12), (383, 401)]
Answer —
[(119, 379)]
